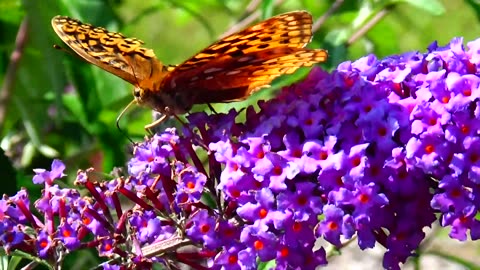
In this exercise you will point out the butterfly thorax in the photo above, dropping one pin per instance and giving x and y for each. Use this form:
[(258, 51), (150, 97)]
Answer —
[(151, 92)]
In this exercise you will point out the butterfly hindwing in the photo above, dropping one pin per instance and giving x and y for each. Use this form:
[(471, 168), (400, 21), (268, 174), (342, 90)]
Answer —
[(237, 80)]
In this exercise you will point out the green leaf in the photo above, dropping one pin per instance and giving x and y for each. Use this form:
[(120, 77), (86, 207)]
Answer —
[(12, 11), (19, 255), (8, 174), (28, 154), (74, 105), (4, 261), (267, 265), (48, 151), (456, 259), (475, 5), (13, 263), (433, 7), (267, 8)]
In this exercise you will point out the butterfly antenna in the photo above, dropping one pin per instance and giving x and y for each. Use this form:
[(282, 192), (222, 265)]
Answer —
[(194, 135), (60, 48), (137, 84), (120, 116)]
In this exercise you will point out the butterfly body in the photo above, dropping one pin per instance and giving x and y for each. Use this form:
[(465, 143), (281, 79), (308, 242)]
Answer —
[(230, 69)]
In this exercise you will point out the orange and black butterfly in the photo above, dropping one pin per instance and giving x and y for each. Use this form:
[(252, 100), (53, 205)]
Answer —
[(230, 69)]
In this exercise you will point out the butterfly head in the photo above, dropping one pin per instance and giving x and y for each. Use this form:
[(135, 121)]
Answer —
[(166, 103)]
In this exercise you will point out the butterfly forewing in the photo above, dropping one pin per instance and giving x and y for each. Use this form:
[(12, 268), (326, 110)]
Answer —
[(292, 29), (234, 67), (115, 53)]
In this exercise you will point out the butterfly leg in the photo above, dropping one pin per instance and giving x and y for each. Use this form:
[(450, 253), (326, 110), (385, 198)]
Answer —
[(149, 128), (211, 108), (193, 135)]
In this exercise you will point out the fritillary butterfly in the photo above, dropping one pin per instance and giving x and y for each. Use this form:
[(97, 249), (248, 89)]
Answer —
[(230, 69)]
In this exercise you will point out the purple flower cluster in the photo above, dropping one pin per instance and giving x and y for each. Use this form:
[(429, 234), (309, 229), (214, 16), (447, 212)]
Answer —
[(377, 150)]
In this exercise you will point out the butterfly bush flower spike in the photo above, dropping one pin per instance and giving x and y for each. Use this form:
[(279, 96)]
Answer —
[(377, 150)]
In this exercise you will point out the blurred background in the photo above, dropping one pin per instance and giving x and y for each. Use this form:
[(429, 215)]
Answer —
[(54, 105)]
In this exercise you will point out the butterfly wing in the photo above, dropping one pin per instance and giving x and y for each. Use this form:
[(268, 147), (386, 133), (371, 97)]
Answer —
[(234, 67), (113, 52)]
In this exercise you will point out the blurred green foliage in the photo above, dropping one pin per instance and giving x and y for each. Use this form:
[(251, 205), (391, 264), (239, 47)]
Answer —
[(54, 105)]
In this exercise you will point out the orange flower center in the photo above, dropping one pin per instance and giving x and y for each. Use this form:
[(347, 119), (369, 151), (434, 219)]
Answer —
[(258, 245), (263, 213)]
